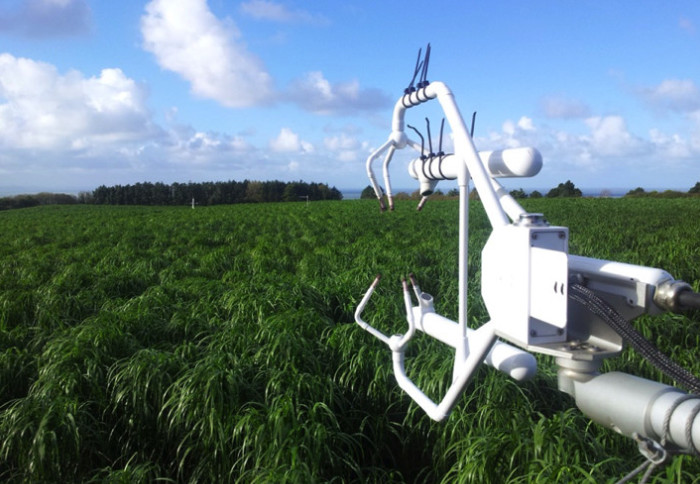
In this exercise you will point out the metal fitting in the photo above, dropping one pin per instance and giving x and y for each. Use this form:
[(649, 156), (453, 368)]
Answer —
[(666, 294)]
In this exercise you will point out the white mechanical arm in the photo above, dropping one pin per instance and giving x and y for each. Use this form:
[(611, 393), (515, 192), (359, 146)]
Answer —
[(571, 307)]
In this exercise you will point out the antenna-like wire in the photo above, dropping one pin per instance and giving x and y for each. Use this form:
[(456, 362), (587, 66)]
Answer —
[(442, 127), (473, 121), (430, 138), (424, 75), (422, 142), (416, 70)]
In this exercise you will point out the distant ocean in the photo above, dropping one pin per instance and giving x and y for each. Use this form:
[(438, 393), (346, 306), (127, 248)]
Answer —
[(351, 194)]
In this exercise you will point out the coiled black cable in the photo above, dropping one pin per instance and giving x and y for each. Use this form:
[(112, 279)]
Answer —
[(621, 326)]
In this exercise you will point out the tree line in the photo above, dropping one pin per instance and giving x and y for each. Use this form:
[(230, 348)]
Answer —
[(213, 193), (204, 193)]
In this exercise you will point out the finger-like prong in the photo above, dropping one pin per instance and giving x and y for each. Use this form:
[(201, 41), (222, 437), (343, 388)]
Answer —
[(416, 287)]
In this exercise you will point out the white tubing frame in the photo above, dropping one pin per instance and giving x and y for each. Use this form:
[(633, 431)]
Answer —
[(472, 347)]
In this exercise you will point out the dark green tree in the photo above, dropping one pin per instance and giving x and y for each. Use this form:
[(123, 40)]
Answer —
[(519, 193), (567, 189), (637, 192), (368, 192)]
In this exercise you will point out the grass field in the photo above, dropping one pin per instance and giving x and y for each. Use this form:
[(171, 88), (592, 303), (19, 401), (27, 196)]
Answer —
[(218, 345)]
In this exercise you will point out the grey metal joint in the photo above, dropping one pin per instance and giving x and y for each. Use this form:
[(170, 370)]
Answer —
[(666, 294)]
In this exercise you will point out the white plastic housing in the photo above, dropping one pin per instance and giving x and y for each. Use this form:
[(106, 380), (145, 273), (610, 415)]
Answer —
[(511, 162), (524, 283), (512, 361)]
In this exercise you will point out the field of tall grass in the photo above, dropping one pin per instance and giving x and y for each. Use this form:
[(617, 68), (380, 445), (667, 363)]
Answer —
[(218, 345)]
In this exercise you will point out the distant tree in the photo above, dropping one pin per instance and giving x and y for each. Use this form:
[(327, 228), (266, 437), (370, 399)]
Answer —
[(567, 189), (294, 190), (695, 189), (368, 192), (454, 192), (605, 193), (85, 197), (535, 194), (637, 192), (671, 194), (519, 193)]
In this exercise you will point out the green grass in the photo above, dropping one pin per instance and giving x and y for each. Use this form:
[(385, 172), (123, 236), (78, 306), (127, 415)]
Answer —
[(218, 345)]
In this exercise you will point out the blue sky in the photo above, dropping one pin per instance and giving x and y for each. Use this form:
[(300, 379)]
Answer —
[(101, 92)]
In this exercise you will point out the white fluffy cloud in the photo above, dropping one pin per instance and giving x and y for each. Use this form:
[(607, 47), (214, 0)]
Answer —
[(680, 95), (46, 110), (609, 137), (289, 142), (346, 148), (316, 94), (188, 39)]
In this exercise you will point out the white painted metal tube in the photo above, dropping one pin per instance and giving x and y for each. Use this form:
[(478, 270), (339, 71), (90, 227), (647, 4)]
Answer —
[(463, 261), (518, 364), (511, 207), (639, 285), (484, 338), (387, 179), (358, 314), (629, 404), (370, 172), (617, 270)]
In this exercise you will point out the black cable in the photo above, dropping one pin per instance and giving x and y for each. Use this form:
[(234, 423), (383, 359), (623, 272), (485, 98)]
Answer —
[(689, 299), (441, 153), (416, 70), (621, 326), (430, 138), (422, 142), (442, 127), (424, 75)]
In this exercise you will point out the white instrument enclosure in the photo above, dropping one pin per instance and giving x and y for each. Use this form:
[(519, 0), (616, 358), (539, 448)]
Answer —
[(524, 283)]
